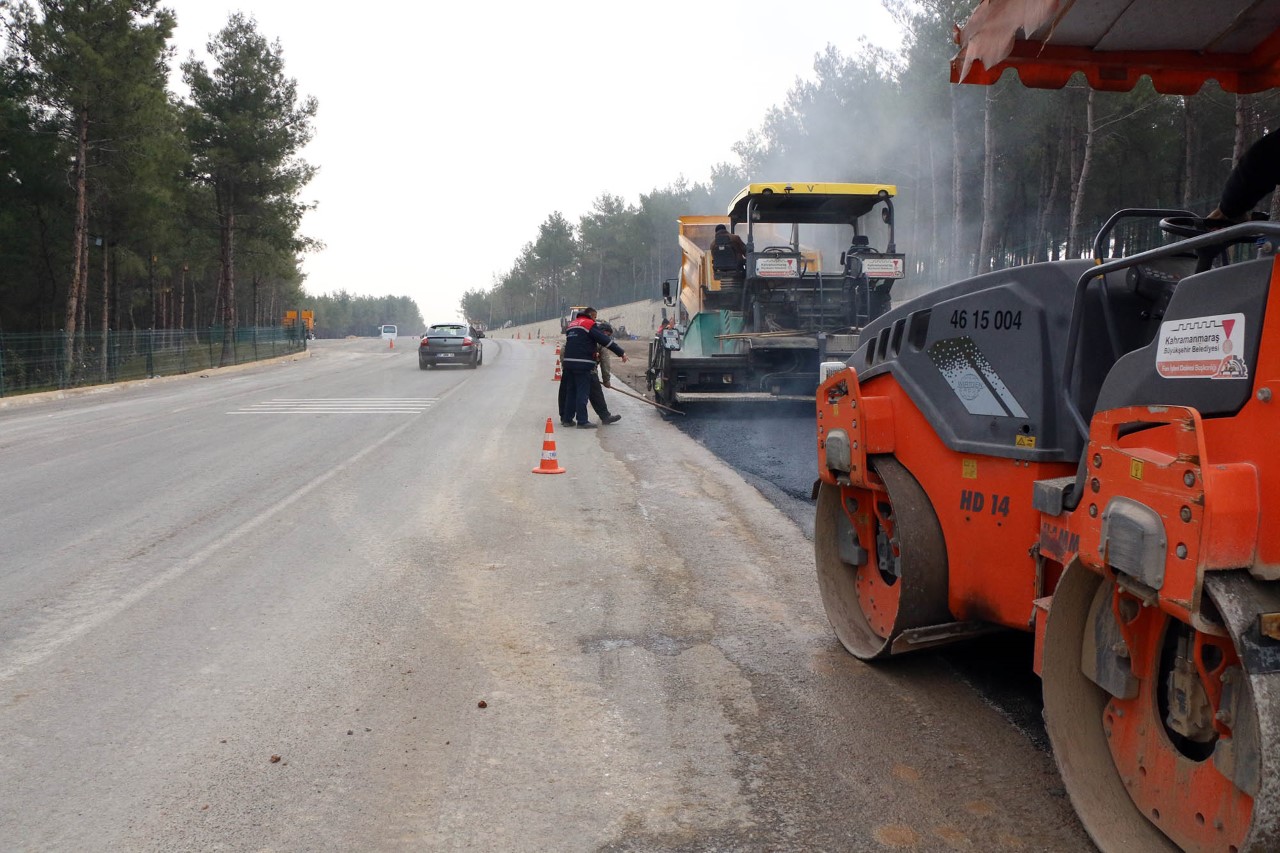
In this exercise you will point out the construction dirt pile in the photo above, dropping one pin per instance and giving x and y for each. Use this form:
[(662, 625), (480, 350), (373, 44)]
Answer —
[(632, 373)]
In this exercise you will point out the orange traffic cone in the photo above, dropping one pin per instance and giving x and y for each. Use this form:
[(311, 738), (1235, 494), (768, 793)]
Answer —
[(541, 340), (549, 465), (557, 351), (556, 378)]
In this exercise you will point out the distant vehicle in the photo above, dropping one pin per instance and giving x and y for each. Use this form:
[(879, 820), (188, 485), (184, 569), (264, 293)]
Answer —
[(449, 343), (389, 332)]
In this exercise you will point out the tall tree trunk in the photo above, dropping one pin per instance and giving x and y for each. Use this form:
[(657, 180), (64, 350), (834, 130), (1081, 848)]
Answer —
[(1244, 127), (1051, 169), (935, 221), (182, 298), (215, 313), (1191, 146), (1060, 189), (82, 323), (986, 242), (957, 195), (1074, 235), (104, 347), (156, 316), (226, 239), (78, 237)]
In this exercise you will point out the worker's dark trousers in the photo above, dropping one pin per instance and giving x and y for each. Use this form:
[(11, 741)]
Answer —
[(577, 390), (595, 396)]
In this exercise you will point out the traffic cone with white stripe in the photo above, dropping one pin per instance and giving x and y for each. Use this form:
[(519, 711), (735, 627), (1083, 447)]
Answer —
[(549, 465), (556, 378)]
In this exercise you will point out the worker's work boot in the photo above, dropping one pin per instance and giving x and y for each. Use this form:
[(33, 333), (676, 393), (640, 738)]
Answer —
[(611, 419)]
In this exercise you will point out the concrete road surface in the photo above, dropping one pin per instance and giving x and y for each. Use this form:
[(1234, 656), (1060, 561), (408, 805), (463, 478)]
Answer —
[(325, 605)]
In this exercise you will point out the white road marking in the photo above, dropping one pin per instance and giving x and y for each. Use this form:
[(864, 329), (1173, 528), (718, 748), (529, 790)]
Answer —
[(31, 650), (26, 652), (348, 406)]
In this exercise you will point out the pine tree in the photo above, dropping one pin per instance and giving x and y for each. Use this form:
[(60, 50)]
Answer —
[(97, 65), (246, 127)]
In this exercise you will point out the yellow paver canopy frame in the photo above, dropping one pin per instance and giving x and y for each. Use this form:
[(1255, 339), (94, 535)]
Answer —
[(804, 201)]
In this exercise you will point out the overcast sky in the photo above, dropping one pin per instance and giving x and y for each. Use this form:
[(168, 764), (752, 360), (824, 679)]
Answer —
[(448, 132)]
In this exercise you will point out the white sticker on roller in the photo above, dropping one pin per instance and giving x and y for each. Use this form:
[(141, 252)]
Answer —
[(1202, 348)]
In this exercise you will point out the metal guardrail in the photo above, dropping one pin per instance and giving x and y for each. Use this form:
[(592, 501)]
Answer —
[(37, 361)]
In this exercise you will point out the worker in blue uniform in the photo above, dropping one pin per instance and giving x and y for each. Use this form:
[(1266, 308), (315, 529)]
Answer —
[(579, 360)]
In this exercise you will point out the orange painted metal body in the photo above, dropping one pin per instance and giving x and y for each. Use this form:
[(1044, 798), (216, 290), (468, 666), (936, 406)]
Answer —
[(983, 503), (1114, 43), (1203, 476), (1205, 479), (1189, 800), (993, 534)]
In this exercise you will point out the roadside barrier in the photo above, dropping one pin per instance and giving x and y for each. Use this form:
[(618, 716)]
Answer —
[(549, 465), (46, 361)]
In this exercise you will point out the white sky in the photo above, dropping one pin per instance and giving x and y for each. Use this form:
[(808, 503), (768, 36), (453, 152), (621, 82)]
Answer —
[(447, 132)]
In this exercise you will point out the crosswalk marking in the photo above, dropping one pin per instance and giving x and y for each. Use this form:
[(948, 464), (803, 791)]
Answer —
[(348, 406)]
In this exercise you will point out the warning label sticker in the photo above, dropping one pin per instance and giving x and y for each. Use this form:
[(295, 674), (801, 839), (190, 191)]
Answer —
[(777, 267), (1202, 348), (883, 268)]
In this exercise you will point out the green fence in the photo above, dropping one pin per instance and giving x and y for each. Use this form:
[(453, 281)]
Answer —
[(32, 362)]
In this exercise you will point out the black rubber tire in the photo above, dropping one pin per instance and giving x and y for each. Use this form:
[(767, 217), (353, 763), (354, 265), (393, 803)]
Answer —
[(662, 366)]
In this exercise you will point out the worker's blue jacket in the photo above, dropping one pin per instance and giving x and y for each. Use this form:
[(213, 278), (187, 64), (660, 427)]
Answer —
[(581, 339)]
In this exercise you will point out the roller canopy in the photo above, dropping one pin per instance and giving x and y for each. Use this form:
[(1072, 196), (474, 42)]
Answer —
[(1179, 44)]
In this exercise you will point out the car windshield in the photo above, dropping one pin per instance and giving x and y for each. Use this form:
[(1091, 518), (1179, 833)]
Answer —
[(438, 331)]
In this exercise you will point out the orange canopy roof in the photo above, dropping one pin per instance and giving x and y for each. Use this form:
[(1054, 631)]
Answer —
[(1178, 43)]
